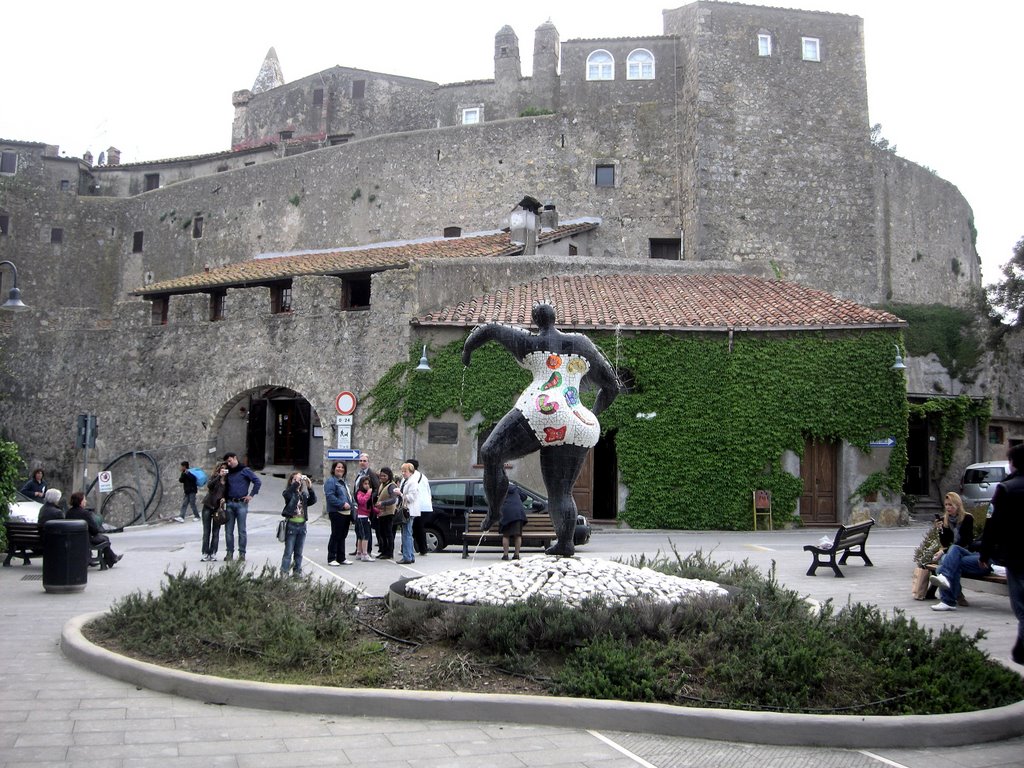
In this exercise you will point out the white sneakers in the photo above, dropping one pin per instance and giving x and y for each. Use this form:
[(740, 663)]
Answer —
[(938, 580), (179, 519), (943, 607), (334, 563)]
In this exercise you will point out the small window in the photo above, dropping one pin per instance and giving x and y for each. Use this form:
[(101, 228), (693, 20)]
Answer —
[(57, 235), (667, 248), (9, 162), (339, 138), (197, 227), (640, 65), (573, 249), (811, 48), (249, 162), (65, 185), (280, 299), (996, 435), (159, 316), (600, 66), (218, 306), (604, 176), (318, 97), (137, 242), (764, 45), (285, 135), (358, 89), (356, 293), (471, 116), (5, 224), (151, 182)]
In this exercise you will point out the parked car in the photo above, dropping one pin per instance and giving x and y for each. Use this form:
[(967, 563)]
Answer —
[(979, 481), (23, 509), (453, 497)]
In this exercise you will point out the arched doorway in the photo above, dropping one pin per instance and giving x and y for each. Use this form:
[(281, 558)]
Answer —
[(273, 426)]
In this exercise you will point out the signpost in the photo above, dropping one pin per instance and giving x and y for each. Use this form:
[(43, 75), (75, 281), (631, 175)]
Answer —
[(342, 454), (887, 442), (106, 481)]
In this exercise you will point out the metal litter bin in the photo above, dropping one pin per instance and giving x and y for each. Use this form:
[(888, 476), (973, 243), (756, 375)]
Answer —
[(65, 555)]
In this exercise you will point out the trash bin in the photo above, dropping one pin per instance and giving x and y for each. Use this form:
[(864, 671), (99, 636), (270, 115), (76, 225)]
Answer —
[(65, 555)]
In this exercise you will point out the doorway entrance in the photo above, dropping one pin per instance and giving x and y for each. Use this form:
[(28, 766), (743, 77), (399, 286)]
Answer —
[(818, 472), (277, 426), (596, 491)]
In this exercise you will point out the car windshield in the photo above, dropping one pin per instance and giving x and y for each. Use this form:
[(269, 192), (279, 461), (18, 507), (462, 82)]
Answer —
[(984, 475)]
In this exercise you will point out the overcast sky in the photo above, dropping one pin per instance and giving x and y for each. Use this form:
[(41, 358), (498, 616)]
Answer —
[(944, 76)]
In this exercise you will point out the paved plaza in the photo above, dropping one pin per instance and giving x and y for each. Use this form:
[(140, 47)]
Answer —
[(53, 712)]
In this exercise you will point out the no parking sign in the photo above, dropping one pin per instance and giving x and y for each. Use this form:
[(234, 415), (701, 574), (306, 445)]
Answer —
[(106, 481)]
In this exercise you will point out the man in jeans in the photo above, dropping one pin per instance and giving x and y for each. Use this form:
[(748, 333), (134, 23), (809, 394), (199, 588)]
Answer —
[(190, 487), (237, 507)]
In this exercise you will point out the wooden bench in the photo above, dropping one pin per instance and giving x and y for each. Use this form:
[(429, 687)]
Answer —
[(994, 582), (849, 539), (25, 541), (537, 532)]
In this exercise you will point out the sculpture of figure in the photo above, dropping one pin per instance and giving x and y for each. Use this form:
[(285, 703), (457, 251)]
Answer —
[(548, 417)]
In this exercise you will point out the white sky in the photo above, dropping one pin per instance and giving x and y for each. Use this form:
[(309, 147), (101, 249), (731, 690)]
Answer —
[(944, 76)]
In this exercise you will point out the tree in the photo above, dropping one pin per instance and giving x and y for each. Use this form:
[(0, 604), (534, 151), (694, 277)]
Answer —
[(1008, 294), (878, 141)]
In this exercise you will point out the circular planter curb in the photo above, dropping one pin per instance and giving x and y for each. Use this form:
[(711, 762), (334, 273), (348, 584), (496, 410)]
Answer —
[(850, 731)]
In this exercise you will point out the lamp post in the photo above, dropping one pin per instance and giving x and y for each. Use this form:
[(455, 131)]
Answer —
[(13, 303)]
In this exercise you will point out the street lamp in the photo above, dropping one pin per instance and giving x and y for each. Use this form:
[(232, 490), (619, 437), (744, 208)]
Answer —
[(424, 365), (898, 365), (13, 302)]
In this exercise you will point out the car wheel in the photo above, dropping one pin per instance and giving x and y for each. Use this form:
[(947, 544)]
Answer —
[(435, 539)]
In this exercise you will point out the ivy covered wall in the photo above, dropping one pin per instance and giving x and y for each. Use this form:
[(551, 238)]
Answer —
[(722, 418)]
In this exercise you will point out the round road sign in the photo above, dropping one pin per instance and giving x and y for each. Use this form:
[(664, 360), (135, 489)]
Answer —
[(345, 403)]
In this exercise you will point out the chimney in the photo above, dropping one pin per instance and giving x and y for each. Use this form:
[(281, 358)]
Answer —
[(113, 156), (523, 224), (548, 217), (87, 157)]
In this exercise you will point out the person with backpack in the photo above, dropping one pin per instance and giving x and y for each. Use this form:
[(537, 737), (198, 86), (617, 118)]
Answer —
[(190, 487)]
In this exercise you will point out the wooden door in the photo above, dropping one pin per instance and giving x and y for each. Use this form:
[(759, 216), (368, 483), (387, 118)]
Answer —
[(583, 490), (818, 471)]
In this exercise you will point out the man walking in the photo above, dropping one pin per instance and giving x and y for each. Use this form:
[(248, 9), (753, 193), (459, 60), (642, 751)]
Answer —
[(419, 534), (190, 487), (1003, 539), (237, 507), (365, 471)]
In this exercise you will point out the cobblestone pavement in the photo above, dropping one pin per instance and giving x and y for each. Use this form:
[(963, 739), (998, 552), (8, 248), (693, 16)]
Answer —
[(53, 713)]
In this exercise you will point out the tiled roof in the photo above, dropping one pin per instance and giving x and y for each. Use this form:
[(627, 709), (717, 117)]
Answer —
[(667, 302), (366, 258)]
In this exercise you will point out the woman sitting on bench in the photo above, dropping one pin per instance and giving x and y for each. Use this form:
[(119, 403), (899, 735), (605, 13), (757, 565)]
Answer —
[(956, 536), (77, 511)]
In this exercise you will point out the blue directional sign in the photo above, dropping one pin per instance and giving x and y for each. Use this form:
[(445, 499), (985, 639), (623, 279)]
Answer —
[(342, 454), (887, 442)]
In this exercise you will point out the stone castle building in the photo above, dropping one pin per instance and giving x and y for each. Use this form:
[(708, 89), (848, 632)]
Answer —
[(735, 141)]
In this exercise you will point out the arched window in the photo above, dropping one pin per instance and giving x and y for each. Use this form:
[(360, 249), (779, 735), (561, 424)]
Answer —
[(600, 66), (640, 65)]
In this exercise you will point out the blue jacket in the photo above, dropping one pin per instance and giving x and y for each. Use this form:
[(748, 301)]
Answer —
[(337, 495), (239, 479)]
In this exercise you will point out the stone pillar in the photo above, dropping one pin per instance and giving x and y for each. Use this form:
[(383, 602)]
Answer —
[(507, 67), (545, 66)]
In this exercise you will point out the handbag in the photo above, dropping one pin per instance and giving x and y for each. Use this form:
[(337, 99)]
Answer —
[(220, 514), (282, 530), (919, 588)]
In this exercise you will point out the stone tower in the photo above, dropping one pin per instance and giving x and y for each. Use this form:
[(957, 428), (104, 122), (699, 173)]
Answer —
[(545, 66), (507, 66)]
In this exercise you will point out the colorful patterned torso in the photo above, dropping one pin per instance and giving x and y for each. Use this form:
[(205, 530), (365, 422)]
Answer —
[(551, 404)]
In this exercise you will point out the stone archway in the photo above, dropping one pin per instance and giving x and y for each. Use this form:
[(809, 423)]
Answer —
[(271, 426)]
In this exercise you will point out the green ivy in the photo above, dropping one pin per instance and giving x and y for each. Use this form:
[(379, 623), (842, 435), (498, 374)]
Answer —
[(723, 417), (950, 416), (11, 468), (949, 332)]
